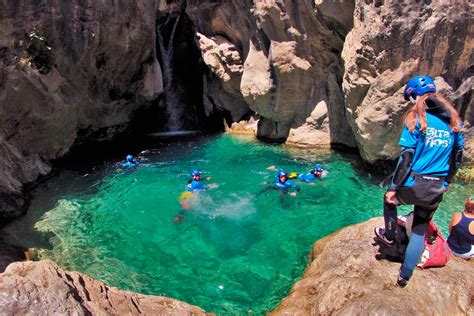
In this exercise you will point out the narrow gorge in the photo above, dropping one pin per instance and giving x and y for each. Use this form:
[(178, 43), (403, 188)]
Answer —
[(80, 78)]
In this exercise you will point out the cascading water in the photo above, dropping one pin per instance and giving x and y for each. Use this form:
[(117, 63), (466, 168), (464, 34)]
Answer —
[(172, 89)]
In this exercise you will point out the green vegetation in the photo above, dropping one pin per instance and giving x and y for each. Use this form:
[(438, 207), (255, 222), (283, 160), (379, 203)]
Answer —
[(39, 52), (466, 174)]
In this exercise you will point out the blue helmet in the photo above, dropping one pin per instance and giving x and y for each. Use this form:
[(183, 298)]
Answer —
[(129, 158), (282, 173), (418, 85), (195, 173), (317, 168)]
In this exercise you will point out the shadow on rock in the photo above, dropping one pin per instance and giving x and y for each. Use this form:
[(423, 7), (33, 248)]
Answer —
[(395, 253), (10, 253)]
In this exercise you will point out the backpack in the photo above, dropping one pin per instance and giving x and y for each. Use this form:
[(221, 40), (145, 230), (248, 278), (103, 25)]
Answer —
[(436, 252)]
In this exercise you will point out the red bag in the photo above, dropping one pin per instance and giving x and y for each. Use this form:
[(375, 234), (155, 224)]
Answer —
[(436, 252)]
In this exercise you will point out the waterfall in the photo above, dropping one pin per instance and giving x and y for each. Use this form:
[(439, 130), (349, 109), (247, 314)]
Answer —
[(172, 90)]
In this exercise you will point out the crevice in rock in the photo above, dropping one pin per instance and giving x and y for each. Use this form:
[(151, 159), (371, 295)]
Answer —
[(187, 69)]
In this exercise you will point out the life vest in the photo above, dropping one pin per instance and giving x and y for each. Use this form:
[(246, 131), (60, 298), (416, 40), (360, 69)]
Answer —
[(436, 252)]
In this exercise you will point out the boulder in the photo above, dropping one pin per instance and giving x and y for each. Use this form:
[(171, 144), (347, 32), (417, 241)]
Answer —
[(314, 132), (42, 287), (345, 278)]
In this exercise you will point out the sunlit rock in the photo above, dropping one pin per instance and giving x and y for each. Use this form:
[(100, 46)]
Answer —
[(44, 288), (389, 44), (315, 131), (344, 278)]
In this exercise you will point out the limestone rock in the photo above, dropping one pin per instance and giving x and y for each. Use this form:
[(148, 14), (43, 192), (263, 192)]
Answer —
[(256, 80), (244, 127), (28, 288), (468, 154), (389, 44), (222, 85), (315, 131), (340, 13), (290, 62), (77, 79), (344, 278)]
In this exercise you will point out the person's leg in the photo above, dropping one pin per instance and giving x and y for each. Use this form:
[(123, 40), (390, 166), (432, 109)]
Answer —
[(422, 216)]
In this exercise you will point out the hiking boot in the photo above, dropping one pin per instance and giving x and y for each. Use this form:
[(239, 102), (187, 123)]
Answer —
[(380, 234), (401, 281)]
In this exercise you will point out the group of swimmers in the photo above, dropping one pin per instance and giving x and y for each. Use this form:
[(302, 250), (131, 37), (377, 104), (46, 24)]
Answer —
[(282, 182)]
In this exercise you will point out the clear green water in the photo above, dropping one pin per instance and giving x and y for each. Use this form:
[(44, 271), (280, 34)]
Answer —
[(236, 252)]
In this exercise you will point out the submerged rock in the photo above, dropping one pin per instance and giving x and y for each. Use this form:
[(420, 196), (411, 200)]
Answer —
[(28, 288), (344, 277)]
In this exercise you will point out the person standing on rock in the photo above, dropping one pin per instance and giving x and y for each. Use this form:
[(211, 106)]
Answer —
[(431, 153)]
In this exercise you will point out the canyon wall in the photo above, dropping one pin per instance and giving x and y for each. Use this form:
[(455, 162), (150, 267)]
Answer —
[(392, 42), (317, 72), (70, 72), (332, 72), (280, 59)]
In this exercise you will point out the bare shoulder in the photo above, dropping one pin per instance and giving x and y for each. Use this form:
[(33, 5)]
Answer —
[(456, 218)]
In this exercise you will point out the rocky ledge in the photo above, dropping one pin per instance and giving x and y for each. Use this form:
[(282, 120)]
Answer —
[(28, 288), (345, 278)]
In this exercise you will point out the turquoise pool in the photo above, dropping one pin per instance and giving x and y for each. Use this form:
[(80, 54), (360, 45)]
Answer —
[(237, 251)]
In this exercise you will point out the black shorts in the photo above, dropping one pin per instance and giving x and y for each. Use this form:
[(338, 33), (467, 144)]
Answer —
[(426, 192)]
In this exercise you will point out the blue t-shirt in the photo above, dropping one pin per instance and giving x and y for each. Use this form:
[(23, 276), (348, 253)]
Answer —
[(433, 147), (286, 185), (195, 186), (307, 177)]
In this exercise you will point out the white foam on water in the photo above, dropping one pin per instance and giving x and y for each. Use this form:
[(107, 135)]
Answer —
[(173, 133), (231, 206)]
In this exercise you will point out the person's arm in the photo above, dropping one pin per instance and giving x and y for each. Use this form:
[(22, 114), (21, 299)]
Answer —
[(293, 186), (454, 220), (456, 156), (403, 169), (455, 163)]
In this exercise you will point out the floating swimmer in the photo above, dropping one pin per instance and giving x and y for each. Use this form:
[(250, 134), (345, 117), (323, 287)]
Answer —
[(195, 183), (130, 162), (283, 184), (189, 196), (317, 172)]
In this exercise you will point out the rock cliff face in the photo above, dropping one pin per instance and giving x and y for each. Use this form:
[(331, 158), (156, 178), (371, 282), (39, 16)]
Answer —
[(391, 42), (344, 278), (282, 58), (317, 72), (69, 72), (29, 288), (278, 58)]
